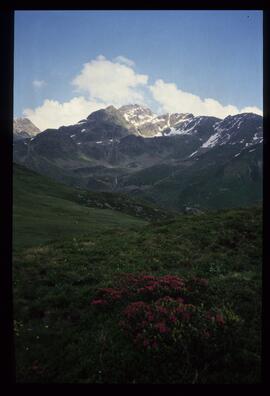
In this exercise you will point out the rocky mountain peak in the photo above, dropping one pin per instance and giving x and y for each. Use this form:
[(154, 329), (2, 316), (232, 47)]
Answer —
[(23, 128), (103, 113), (136, 115)]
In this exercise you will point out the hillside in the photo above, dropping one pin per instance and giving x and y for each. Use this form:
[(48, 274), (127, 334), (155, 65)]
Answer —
[(44, 210), (62, 337)]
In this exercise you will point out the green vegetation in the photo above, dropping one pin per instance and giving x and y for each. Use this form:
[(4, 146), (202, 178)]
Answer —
[(213, 182), (59, 268), (45, 210)]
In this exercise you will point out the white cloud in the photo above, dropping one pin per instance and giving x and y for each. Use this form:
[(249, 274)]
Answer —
[(111, 82), (39, 83), (53, 114), (104, 82), (124, 60), (252, 109), (101, 57), (172, 99)]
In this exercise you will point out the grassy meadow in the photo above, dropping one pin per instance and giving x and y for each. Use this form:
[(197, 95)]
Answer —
[(66, 253)]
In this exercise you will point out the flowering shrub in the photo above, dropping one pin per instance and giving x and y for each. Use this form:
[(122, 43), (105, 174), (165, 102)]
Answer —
[(146, 287), (168, 322), (158, 313)]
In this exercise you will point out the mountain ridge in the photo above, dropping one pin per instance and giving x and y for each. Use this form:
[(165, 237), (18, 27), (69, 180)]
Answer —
[(134, 151)]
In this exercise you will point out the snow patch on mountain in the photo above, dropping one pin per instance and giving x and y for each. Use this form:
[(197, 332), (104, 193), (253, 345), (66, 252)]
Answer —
[(191, 155), (212, 141)]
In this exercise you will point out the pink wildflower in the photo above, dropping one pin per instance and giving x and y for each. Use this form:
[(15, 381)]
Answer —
[(99, 302)]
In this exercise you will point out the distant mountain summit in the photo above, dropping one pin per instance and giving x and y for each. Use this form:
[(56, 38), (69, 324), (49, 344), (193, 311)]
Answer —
[(149, 124), (23, 128)]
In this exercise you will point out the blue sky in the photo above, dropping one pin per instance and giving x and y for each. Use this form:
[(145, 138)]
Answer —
[(179, 60)]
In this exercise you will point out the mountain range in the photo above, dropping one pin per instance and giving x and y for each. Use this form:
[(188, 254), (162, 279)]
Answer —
[(174, 160)]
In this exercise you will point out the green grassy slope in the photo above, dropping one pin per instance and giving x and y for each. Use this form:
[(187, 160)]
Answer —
[(60, 337), (44, 210)]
